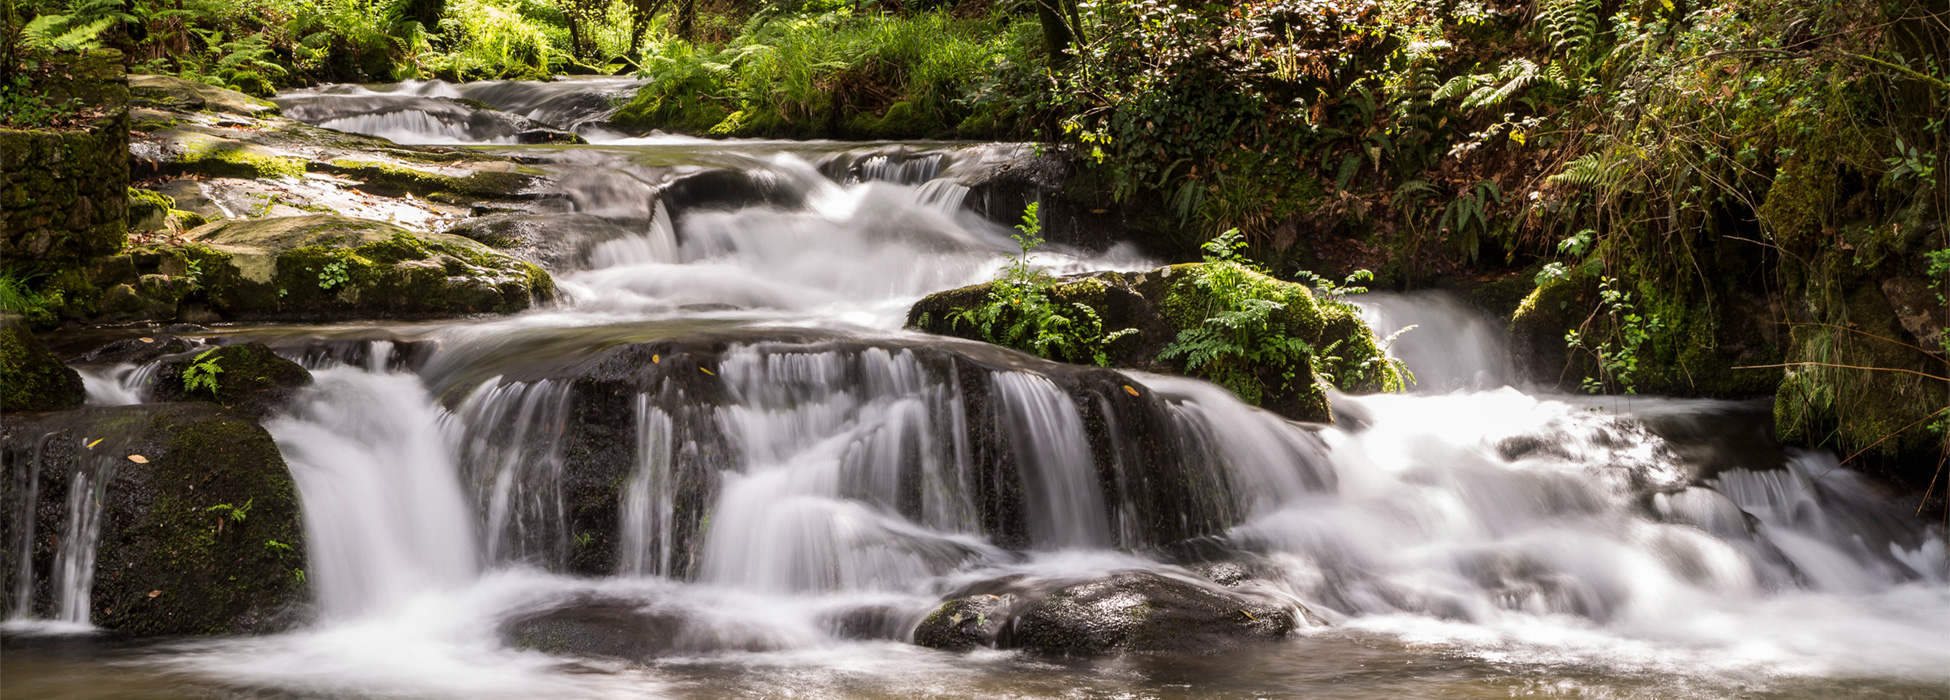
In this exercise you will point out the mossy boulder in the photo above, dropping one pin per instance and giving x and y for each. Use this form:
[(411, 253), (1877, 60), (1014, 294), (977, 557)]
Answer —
[(193, 153), (31, 377), (149, 210), (393, 180), (173, 93), (964, 623), (249, 377), (199, 525), (1162, 303), (332, 267)]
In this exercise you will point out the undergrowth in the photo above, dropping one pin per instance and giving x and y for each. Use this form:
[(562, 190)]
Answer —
[(1022, 310)]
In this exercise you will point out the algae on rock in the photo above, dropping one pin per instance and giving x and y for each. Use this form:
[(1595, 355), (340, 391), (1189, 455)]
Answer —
[(323, 266), (31, 377)]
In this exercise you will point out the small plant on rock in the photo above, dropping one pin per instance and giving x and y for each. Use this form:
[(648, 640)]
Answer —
[(202, 373), (1618, 353), (334, 275), (1022, 311)]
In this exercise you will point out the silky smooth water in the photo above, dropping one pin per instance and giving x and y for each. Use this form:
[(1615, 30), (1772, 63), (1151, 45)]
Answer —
[(1466, 540)]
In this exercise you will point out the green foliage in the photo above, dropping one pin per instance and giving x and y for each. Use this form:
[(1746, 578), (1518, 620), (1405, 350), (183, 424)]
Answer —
[(826, 74), (1621, 345), (233, 513), (1023, 312), (1939, 261), (333, 274), (18, 296), (1241, 329), (202, 373)]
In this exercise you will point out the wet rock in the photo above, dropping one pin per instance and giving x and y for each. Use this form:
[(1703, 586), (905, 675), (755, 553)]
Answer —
[(172, 93), (1145, 611), (1131, 611), (199, 524), (724, 190), (327, 267), (249, 377), (139, 350), (554, 241), (393, 180), (31, 377), (604, 629), (630, 630), (961, 624)]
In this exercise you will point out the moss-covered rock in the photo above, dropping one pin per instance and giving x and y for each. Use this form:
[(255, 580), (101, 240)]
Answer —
[(326, 267), (393, 180), (173, 93), (190, 152), (964, 623), (200, 531), (1160, 304), (249, 377), (149, 210), (31, 378)]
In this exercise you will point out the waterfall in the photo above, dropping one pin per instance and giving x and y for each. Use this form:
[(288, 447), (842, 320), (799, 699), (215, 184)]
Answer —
[(375, 462), (720, 450)]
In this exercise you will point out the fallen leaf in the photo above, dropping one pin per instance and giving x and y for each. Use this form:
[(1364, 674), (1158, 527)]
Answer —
[(1129, 390), (153, 594), (147, 340), (138, 459), (96, 442), (1248, 615), (706, 371), (656, 359)]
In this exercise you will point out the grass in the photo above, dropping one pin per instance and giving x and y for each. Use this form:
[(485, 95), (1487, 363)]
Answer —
[(831, 74)]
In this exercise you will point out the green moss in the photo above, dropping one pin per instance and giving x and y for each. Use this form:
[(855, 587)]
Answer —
[(192, 565), (225, 158), (394, 180), (328, 266), (1160, 304), (31, 378), (149, 210), (249, 376)]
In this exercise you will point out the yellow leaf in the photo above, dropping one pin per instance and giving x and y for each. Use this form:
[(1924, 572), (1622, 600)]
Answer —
[(138, 459), (706, 371), (96, 442), (147, 340), (1129, 390), (656, 359), (1248, 615)]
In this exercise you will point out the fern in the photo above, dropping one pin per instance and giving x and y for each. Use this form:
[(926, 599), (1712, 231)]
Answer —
[(1021, 310), (61, 33), (1595, 170), (1572, 25)]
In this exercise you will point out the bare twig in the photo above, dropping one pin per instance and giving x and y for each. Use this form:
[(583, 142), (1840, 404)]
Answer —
[(1830, 364)]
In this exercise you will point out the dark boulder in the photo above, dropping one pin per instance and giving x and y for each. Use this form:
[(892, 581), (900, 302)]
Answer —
[(249, 377), (31, 377), (199, 531), (1130, 611)]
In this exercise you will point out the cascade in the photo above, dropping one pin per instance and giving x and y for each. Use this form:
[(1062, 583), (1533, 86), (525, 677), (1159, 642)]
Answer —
[(720, 445)]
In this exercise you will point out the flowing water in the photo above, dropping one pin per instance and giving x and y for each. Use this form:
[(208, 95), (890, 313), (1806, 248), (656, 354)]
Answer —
[(791, 482)]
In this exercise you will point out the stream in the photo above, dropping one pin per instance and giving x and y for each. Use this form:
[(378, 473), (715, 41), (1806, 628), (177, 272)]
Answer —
[(802, 486)]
